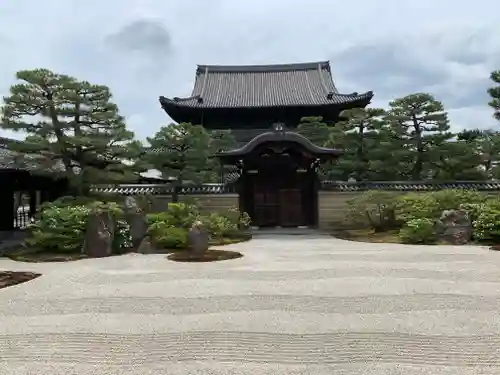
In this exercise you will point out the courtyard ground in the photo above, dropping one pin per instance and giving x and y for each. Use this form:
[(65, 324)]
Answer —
[(291, 305)]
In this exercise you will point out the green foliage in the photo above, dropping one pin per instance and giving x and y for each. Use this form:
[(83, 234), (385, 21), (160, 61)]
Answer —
[(487, 221), (217, 224), (220, 140), (73, 123), (61, 226), (418, 231), (495, 94), (180, 151), (60, 229), (419, 126), (178, 215), (241, 219), (314, 129), (374, 207), (171, 238), (430, 205), (360, 138), (182, 216)]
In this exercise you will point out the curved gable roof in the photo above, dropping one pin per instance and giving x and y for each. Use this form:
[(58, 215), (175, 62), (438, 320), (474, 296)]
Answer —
[(278, 136)]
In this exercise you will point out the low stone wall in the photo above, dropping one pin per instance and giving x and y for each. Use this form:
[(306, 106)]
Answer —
[(332, 206), (208, 202), (213, 202), (332, 196)]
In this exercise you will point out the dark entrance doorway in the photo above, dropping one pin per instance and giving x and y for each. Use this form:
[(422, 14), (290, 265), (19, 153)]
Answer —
[(277, 179), (279, 206), (278, 191)]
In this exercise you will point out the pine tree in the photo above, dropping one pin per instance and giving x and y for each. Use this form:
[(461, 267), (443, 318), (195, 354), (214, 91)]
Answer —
[(314, 129), (74, 121), (418, 125), (495, 94), (360, 141), (180, 151), (220, 140)]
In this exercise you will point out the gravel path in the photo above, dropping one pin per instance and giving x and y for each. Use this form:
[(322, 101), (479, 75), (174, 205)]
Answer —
[(292, 305)]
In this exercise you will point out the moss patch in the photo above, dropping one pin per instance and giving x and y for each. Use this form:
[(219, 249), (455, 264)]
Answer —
[(9, 278), (209, 256)]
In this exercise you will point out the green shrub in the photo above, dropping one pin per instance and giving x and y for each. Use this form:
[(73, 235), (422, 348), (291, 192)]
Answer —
[(431, 205), (418, 231), (452, 199), (60, 229), (217, 224), (241, 219), (178, 215), (413, 206), (486, 226), (374, 208), (61, 226), (171, 238)]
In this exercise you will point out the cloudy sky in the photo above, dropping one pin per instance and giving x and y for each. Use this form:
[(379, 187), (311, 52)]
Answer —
[(146, 48)]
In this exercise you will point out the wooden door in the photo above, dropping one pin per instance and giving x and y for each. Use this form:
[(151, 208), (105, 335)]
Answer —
[(290, 208), (266, 208)]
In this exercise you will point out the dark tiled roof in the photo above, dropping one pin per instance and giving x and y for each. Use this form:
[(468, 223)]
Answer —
[(13, 160), (410, 185), (161, 189), (247, 86), (280, 136)]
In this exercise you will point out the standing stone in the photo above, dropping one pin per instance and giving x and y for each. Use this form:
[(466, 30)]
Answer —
[(136, 219), (145, 247), (198, 239), (99, 235), (455, 227)]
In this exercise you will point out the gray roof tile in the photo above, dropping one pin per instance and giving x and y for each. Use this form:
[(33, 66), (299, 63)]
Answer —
[(307, 84), (163, 189), (13, 160)]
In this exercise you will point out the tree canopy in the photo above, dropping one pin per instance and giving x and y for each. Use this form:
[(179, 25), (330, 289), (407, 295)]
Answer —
[(76, 123)]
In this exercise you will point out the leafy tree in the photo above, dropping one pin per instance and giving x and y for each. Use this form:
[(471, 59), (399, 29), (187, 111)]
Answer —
[(495, 94), (314, 129), (419, 124), (180, 151), (76, 123)]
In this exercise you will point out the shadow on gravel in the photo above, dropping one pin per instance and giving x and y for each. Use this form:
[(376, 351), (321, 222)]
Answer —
[(10, 278), (208, 256)]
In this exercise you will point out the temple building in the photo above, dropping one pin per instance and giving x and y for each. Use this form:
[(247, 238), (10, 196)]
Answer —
[(276, 167)]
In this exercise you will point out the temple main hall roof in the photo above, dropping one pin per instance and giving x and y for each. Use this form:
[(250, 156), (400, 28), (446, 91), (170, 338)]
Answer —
[(264, 86)]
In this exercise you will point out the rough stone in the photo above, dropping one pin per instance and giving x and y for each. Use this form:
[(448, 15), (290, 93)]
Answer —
[(136, 218), (198, 240), (99, 235), (145, 246), (455, 227)]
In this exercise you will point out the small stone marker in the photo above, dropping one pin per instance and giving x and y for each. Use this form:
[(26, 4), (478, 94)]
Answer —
[(455, 227), (198, 239), (136, 219), (145, 247), (99, 235)]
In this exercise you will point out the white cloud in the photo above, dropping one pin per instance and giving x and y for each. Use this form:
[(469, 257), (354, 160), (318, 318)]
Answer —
[(391, 47)]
